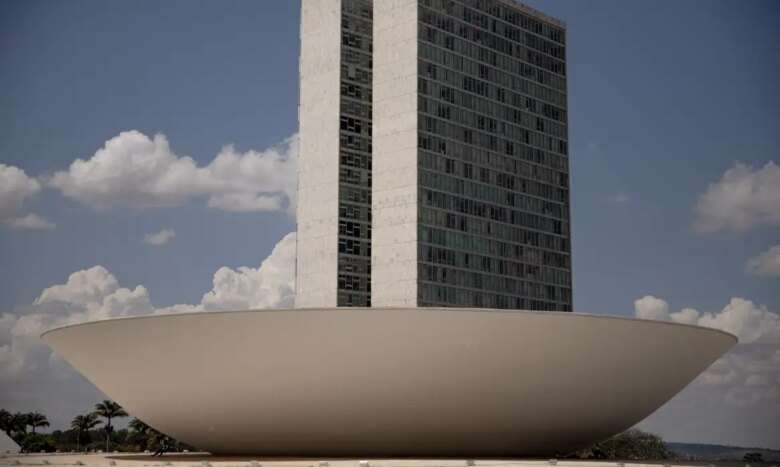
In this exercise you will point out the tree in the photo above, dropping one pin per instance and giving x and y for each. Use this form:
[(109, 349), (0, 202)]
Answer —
[(108, 410), (83, 423), (5, 421), (37, 419), (755, 457), (630, 445), (17, 427)]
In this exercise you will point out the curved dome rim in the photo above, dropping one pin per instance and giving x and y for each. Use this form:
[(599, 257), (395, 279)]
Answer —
[(558, 314)]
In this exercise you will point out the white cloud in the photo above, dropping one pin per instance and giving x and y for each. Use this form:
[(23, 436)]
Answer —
[(134, 170), (767, 264), (748, 321), (160, 238), (87, 295), (649, 307), (272, 285), (620, 198), (743, 198), (29, 372), (15, 188), (30, 221), (737, 399)]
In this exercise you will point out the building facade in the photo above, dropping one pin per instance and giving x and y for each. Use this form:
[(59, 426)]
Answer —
[(469, 186)]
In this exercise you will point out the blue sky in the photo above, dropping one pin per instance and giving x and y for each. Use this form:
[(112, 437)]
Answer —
[(665, 98)]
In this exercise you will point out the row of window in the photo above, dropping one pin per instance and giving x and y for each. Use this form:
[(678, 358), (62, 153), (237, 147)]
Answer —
[(488, 228), (349, 246), (474, 262), (358, 212), (351, 176), (491, 94), (353, 229), (353, 298), (355, 23), (356, 91), (508, 175), (356, 57), (457, 204), (354, 265), (432, 36), (356, 41), (487, 282), (446, 58), (355, 125), (498, 27), (355, 73), (506, 13), (508, 125), (493, 195), (360, 8), (355, 159), (508, 145), (440, 295), (512, 48), (530, 166), (355, 142), (492, 247), (354, 194), (355, 108), (356, 283)]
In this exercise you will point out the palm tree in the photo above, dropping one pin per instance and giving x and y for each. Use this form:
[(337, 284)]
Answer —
[(139, 427), (108, 410), (146, 435), (37, 419), (83, 423)]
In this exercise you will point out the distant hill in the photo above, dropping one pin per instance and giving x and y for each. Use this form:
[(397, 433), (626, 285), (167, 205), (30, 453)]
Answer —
[(716, 452)]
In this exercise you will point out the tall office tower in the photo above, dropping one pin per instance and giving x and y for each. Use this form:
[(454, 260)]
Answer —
[(334, 175), (470, 173)]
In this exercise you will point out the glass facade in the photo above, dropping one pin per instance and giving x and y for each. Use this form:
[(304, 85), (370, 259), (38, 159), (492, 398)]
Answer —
[(493, 188), (354, 238)]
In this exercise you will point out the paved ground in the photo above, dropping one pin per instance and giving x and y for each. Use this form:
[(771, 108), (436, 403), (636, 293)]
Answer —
[(205, 460)]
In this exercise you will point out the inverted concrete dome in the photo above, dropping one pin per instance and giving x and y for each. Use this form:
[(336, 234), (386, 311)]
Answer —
[(389, 382)]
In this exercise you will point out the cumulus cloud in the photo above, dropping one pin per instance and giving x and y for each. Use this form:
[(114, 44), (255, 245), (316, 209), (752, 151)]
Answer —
[(748, 374), (767, 264), (741, 317), (271, 285), (159, 238), (87, 295), (29, 370), (737, 399), (134, 170), (15, 188), (649, 307), (743, 198)]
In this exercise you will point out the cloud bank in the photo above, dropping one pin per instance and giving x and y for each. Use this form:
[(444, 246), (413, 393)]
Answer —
[(29, 370), (736, 400), (137, 171), (742, 199)]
